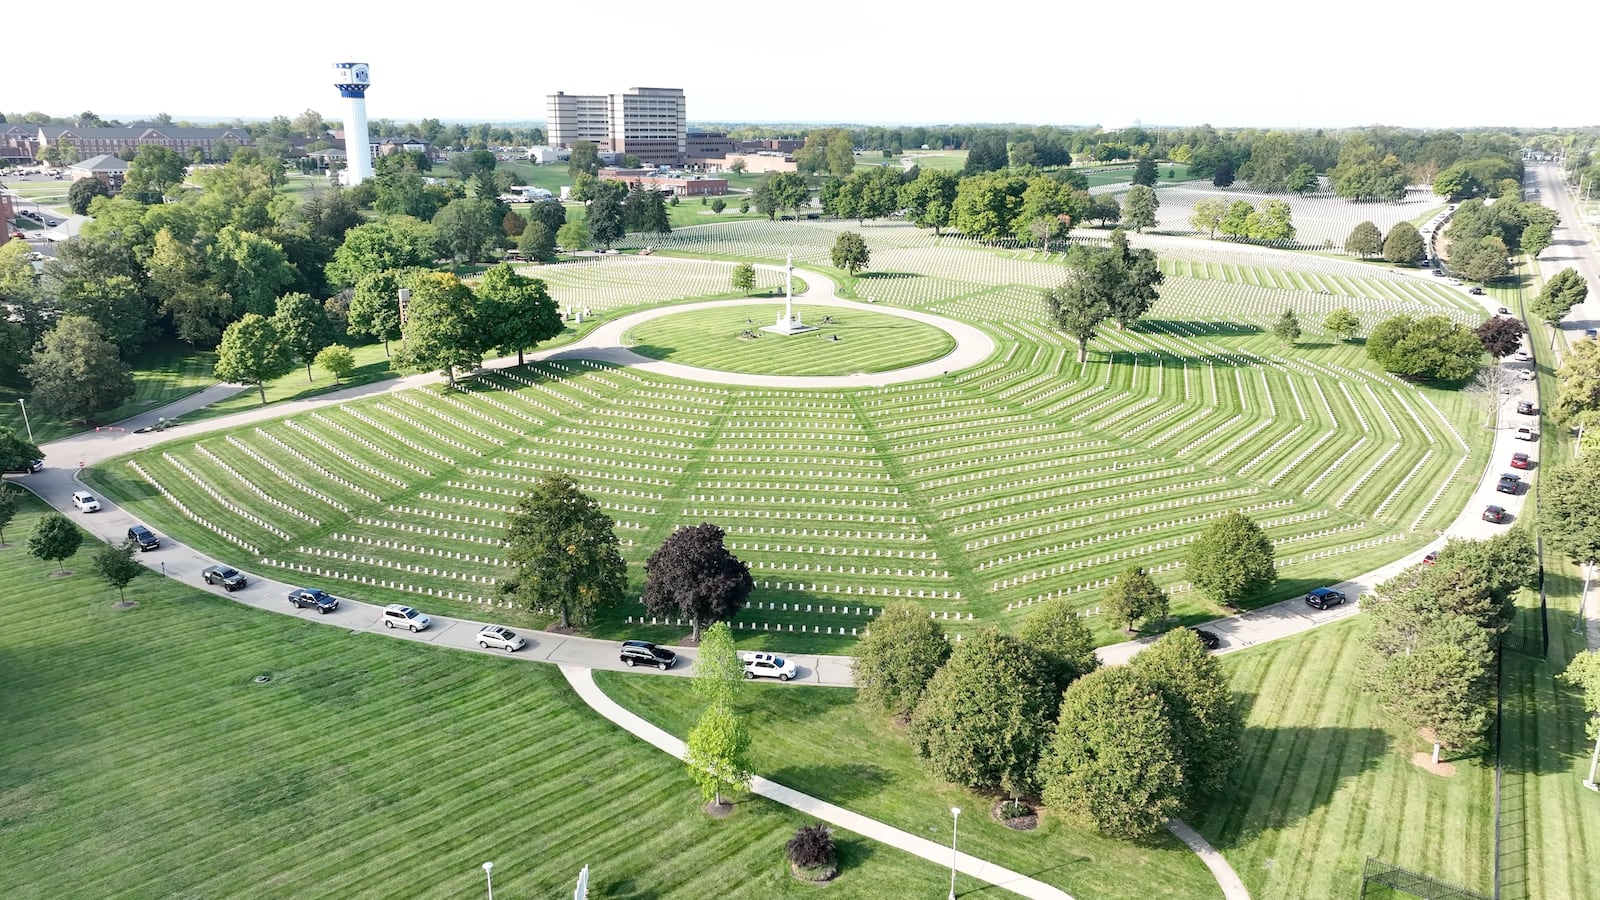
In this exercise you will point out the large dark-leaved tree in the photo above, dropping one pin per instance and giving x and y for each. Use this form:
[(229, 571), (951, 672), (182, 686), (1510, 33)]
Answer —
[(693, 575), (1501, 335), (562, 551), (77, 373)]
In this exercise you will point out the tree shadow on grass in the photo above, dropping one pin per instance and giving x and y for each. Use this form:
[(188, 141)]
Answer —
[(840, 783)]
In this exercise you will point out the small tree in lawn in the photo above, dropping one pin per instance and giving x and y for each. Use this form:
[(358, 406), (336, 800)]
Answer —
[(717, 753), (1342, 324), (1200, 698), (718, 205), (850, 253), (693, 574), (563, 552), (717, 669), (336, 360), (303, 327), (1231, 560), (898, 657), (1583, 673), (812, 852), (744, 278), (54, 539), (251, 352), (1136, 596), (1287, 328), (1365, 241), (1501, 335), (1063, 643), (8, 511), (116, 565)]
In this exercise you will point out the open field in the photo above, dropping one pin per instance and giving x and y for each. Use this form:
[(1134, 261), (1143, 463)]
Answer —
[(819, 741), (981, 495), (845, 341), (147, 762)]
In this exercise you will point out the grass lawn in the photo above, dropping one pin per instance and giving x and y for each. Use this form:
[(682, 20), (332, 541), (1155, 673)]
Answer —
[(867, 342), (141, 759), (371, 365), (161, 374), (817, 740)]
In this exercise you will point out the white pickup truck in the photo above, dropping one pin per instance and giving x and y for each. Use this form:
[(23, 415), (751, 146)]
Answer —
[(766, 665)]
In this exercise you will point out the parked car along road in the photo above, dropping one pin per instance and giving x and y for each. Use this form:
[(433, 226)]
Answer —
[(229, 578), (500, 638), (1322, 598), (766, 665), (398, 616), (143, 538), (311, 598), (1208, 639), (644, 653)]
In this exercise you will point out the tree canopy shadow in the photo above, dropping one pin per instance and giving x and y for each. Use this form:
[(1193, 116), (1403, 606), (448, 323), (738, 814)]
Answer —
[(845, 781)]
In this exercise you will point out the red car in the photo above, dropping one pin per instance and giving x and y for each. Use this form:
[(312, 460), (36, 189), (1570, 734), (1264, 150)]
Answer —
[(1431, 558), (1519, 461)]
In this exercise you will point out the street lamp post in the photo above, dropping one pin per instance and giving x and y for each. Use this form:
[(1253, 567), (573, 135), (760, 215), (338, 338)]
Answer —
[(489, 878), (23, 403), (955, 822), (1594, 763)]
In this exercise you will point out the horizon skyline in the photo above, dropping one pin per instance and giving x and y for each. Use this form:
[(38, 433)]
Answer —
[(874, 67)]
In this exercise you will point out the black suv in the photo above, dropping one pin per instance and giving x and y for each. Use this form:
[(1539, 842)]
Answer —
[(311, 598), (644, 653), (144, 537), (229, 578), (1526, 408)]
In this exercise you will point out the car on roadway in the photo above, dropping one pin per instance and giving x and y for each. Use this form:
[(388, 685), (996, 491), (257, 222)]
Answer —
[(396, 615), (1527, 375), (1520, 461), (499, 637), (1502, 311), (1495, 514), (767, 665), (1208, 639), (1522, 356), (1476, 291), (31, 466), (311, 598), (1431, 558), (143, 538), (1526, 434), (85, 502), (1526, 408), (644, 653), (227, 576), (1591, 333), (1322, 598), (1509, 484)]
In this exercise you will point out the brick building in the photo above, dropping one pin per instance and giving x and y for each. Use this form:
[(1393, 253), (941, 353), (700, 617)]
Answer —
[(89, 142), (681, 184)]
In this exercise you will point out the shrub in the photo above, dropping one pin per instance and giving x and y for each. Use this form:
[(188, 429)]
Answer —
[(812, 847)]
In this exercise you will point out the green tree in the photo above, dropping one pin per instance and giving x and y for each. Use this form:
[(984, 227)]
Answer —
[(899, 655), (1287, 328), (1144, 172), (115, 565), (8, 510), (1134, 275), (76, 373), (1063, 643), (563, 553), (16, 452), (441, 331), (1583, 673), (1441, 683), (693, 575), (585, 159), (1565, 290), (1114, 762), (252, 352), (394, 243), (717, 667), (718, 205), (1139, 208), (1536, 237), (850, 252), (1200, 702), (82, 192), (1482, 262), (983, 720), (375, 305), (1208, 215), (1569, 515), (1231, 560), (537, 242), (606, 217), (718, 753), (1236, 222), (573, 236), (1365, 241), (930, 199), (336, 360), (1342, 324), (54, 538), (1081, 303), (1578, 380), (790, 191), (1303, 180), (250, 268), (153, 175), (1403, 244), (116, 303), (744, 278), (468, 228), (515, 312), (1432, 347), (1135, 596), (303, 327)]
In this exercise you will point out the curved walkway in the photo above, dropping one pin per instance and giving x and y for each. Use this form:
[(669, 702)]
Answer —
[(582, 681)]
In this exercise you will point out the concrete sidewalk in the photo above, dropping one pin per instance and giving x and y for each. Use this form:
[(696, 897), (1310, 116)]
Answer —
[(582, 681)]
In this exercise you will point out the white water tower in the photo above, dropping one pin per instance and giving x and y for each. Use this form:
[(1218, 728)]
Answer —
[(352, 78)]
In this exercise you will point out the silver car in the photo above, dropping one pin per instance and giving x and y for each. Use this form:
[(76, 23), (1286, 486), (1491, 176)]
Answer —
[(397, 616), (501, 638)]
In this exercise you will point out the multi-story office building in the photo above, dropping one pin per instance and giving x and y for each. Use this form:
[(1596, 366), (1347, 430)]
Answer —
[(649, 123)]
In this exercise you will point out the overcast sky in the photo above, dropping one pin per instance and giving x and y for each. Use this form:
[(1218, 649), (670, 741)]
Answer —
[(1289, 63)]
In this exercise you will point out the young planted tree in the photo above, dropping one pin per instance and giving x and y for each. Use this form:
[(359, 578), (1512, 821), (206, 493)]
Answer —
[(693, 575), (115, 565), (812, 852), (1062, 642), (1135, 596), (717, 669), (744, 278), (336, 360), (1200, 700), (1365, 241), (252, 352), (563, 553), (1114, 762), (54, 538), (1287, 328), (898, 657), (303, 327), (850, 252), (1342, 324), (717, 753), (1232, 560)]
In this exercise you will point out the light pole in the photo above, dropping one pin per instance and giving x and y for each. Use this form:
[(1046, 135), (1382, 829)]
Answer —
[(489, 878), (22, 403), (955, 822), (1594, 763)]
